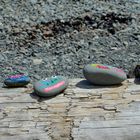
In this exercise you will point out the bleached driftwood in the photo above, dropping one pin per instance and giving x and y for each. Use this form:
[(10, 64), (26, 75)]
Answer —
[(82, 112)]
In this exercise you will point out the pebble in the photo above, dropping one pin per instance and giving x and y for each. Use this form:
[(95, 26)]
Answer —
[(37, 61), (71, 45), (50, 86), (100, 74), (33, 1)]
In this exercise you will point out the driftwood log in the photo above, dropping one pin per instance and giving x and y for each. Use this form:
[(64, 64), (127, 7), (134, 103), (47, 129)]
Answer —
[(82, 112)]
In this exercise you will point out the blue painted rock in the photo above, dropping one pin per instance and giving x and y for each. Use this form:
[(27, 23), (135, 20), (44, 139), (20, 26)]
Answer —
[(51, 86), (99, 74), (18, 80)]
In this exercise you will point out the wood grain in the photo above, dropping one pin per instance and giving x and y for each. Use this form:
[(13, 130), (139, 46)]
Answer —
[(82, 112)]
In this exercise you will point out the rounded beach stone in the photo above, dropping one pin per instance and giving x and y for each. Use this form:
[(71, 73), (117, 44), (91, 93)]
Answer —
[(100, 74), (51, 86), (17, 80)]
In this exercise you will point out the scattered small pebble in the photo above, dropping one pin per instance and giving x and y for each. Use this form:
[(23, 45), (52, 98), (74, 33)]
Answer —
[(66, 35)]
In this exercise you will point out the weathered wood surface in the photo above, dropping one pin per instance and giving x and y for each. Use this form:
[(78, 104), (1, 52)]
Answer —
[(82, 112)]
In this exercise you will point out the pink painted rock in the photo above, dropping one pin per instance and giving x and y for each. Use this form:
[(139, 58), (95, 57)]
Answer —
[(100, 74), (51, 86)]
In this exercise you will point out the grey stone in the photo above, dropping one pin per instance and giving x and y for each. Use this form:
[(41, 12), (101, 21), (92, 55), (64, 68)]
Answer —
[(33, 1), (37, 61), (99, 74)]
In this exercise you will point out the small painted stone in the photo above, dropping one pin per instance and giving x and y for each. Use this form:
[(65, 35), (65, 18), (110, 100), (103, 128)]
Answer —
[(100, 74), (51, 86), (17, 80)]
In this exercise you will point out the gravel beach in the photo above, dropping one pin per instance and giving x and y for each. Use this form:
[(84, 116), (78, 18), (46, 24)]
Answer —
[(58, 37)]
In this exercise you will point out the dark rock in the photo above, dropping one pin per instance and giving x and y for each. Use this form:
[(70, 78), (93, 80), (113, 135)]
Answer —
[(137, 71)]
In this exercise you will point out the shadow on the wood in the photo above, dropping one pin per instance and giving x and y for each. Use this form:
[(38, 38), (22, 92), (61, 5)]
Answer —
[(137, 81), (12, 87), (39, 98), (84, 84)]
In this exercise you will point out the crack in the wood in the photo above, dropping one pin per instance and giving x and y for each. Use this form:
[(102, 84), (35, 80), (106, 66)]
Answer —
[(71, 128), (110, 109), (102, 127), (4, 115)]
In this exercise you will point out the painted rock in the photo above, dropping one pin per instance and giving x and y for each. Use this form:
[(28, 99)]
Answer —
[(17, 80), (99, 74), (51, 86)]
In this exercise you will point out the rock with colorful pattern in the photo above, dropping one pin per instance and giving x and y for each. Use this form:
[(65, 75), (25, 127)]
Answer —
[(100, 74), (18, 80), (50, 86)]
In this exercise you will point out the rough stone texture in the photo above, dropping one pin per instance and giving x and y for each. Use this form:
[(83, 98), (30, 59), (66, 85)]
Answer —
[(47, 37), (82, 112)]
